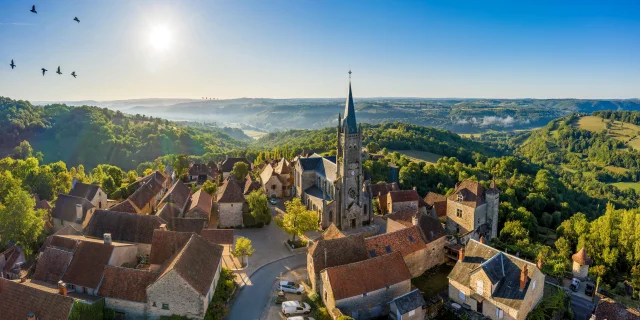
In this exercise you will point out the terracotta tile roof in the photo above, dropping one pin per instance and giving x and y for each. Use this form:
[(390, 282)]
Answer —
[(83, 190), (404, 216), (383, 188), (339, 251), (608, 309), (332, 232), (438, 201), (179, 193), (230, 192), (354, 279), (405, 241), (63, 243), (196, 263), (218, 236), (87, 264), (52, 265), (581, 257), (127, 227), (202, 201), (227, 165), (472, 193), (167, 243), (250, 186), (267, 173), (283, 167), (41, 204), (11, 256), (124, 206), (197, 169), (169, 211), (146, 192), (126, 284), (192, 225), (17, 300), (431, 228), (67, 230), (404, 195), (65, 208)]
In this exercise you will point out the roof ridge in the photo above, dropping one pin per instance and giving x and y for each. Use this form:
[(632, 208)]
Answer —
[(365, 260), (508, 255)]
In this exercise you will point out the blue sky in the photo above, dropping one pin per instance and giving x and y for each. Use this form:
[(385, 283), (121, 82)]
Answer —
[(289, 49)]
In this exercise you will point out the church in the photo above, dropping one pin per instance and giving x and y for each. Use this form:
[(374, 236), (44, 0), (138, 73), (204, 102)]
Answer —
[(335, 186)]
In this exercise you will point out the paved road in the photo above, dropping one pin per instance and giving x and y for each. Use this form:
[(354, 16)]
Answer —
[(582, 308), (252, 299)]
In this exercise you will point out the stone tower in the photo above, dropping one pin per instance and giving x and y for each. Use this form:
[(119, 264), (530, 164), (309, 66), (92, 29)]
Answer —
[(493, 201), (353, 203)]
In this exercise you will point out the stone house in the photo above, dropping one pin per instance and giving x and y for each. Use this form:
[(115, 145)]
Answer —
[(187, 281), (70, 210), (91, 192), (125, 227), (495, 284), (581, 263), (125, 291), (364, 289), (230, 203), (20, 301), (145, 199), (201, 172), (200, 206), (331, 251), (250, 185), (277, 180), (437, 202), (472, 212), (165, 245), (178, 194), (409, 306), (402, 199), (227, 165), (11, 261), (380, 191), (222, 237)]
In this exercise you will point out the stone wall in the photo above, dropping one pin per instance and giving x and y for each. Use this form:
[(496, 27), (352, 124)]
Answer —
[(230, 214), (397, 206), (100, 200), (273, 187), (359, 305), (469, 216), (181, 298), (420, 261), (580, 272), (132, 310)]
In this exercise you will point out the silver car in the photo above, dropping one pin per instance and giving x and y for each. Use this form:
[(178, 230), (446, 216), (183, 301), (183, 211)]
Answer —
[(290, 287)]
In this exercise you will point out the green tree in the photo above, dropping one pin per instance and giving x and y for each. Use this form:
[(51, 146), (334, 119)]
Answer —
[(513, 231), (373, 147), (19, 221), (259, 206), (209, 187), (240, 170), (108, 185), (132, 176), (243, 249), (297, 220), (23, 150), (181, 165)]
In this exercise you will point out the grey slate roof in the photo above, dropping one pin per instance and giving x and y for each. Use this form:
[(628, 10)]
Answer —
[(83, 190), (494, 268), (350, 114), (65, 208), (322, 166), (123, 226), (409, 301)]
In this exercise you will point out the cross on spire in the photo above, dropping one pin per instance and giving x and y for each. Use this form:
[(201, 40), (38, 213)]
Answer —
[(350, 74)]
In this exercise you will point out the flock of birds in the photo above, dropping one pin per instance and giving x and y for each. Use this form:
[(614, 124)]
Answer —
[(13, 65)]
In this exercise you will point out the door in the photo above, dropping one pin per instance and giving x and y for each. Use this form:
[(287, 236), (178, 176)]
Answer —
[(353, 223), (479, 304)]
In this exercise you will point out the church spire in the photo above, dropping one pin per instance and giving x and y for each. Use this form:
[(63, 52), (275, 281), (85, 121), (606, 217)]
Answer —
[(350, 112)]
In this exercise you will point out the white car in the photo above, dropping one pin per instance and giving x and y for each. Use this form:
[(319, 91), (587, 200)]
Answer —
[(295, 307), (290, 287), (300, 318)]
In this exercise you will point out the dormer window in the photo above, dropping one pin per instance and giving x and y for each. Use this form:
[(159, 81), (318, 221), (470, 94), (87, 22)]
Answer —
[(460, 196)]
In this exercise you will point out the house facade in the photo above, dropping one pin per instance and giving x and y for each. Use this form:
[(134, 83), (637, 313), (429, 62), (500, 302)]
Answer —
[(230, 204), (472, 211), (70, 210), (409, 306), (91, 192), (276, 179)]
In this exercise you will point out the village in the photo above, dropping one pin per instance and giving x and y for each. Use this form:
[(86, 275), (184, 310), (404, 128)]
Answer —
[(370, 251)]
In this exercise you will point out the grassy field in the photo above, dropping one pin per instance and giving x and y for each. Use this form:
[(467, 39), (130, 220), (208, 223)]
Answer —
[(625, 132), (418, 156), (469, 135), (627, 185), (254, 134), (615, 169)]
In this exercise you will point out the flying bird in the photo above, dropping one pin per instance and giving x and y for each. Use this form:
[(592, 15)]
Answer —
[(33, 9), (76, 19), (44, 70), (74, 74), (13, 65), (58, 72)]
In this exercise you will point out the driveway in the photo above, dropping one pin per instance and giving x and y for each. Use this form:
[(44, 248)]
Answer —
[(251, 301), (582, 308)]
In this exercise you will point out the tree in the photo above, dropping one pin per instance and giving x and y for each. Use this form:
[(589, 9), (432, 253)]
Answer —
[(240, 170), (23, 150), (181, 165), (259, 206), (108, 185), (19, 221), (132, 176), (243, 249), (209, 187), (513, 231), (147, 172), (373, 147), (297, 220)]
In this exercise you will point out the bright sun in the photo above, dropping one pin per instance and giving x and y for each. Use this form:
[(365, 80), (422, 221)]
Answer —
[(160, 38)]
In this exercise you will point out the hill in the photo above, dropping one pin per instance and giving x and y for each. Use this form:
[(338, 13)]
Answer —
[(91, 135)]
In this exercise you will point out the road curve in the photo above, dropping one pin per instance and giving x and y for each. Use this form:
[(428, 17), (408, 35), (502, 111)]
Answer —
[(252, 299)]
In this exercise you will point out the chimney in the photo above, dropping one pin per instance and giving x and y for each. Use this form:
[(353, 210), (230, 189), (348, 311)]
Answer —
[(79, 212), (31, 316), (482, 239), (457, 185), (62, 288), (540, 263), (163, 227), (414, 219), (107, 238), (413, 188), (524, 276), (461, 254)]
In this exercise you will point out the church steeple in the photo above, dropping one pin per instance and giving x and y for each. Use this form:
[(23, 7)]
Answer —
[(350, 112)]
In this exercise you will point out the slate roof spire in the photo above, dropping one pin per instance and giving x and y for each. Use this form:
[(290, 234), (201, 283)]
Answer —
[(350, 112)]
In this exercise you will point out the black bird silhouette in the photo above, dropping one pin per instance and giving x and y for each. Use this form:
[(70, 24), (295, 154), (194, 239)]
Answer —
[(33, 9), (76, 19), (13, 65), (74, 74), (44, 70), (58, 72)]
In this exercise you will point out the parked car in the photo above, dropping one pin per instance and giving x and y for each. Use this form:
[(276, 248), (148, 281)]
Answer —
[(273, 201), (588, 290), (575, 284), (295, 307), (280, 297), (291, 287), (300, 318)]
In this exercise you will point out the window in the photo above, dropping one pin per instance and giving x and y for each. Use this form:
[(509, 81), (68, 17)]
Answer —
[(460, 196), (499, 313), (411, 313), (411, 238), (388, 248), (154, 304), (325, 296), (165, 306), (461, 296), (480, 287), (364, 294), (273, 187), (533, 285), (459, 213), (372, 253)]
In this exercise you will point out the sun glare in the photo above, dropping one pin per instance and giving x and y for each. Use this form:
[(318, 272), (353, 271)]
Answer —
[(160, 38)]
